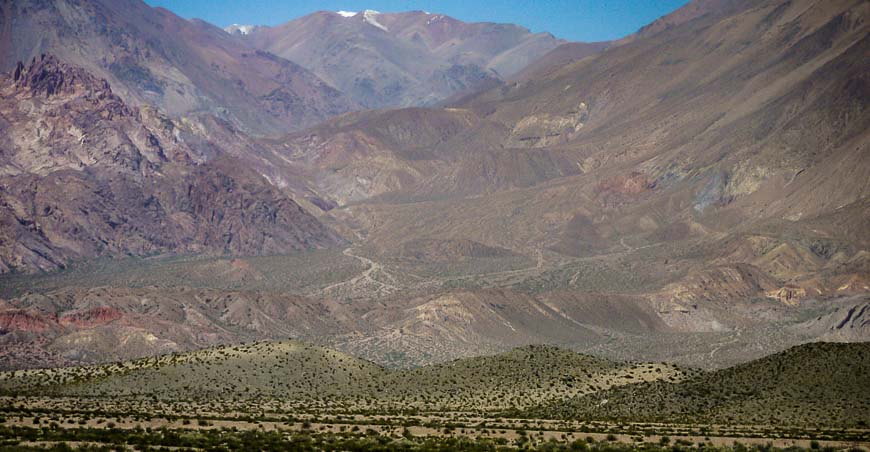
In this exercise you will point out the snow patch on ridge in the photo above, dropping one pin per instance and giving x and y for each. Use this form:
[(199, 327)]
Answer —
[(346, 13), (370, 16), (240, 29)]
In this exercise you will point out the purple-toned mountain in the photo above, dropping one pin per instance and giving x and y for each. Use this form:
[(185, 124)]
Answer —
[(83, 174), (401, 59), (151, 56), (697, 192)]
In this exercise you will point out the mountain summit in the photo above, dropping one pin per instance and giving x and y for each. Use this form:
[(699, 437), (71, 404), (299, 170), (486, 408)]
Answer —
[(402, 59)]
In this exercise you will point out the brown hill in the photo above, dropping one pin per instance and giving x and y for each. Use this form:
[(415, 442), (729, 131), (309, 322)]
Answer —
[(296, 372), (104, 324), (712, 166), (760, 121), (79, 325), (560, 56)]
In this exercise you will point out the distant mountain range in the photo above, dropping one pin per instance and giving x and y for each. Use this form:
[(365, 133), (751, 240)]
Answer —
[(400, 59), (151, 56), (697, 191), (268, 80)]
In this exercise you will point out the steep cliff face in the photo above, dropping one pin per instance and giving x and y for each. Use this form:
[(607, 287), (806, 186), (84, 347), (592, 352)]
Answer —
[(83, 174)]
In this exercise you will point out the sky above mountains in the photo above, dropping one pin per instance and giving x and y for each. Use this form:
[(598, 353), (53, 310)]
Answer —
[(574, 20)]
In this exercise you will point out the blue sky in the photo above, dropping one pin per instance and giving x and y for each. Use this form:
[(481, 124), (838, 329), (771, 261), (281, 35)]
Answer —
[(575, 20)]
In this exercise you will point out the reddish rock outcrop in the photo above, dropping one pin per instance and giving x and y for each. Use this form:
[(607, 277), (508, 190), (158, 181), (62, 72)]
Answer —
[(91, 317), (46, 76), (20, 320)]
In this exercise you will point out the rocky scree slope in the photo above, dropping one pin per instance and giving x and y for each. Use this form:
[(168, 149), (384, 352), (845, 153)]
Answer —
[(82, 174)]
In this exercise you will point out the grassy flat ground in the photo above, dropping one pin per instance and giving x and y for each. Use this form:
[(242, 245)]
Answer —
[(398, 434)]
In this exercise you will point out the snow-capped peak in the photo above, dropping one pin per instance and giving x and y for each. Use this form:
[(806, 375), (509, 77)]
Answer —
[(370, 16), (236, 29), (346, 13)]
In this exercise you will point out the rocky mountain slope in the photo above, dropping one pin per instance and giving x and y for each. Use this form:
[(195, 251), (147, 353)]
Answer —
[(764, 155), (704, 176), (80, 325), (402, 59), (83, 174), (697, 193), (106, 324), (150, 56), (77, 325)]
